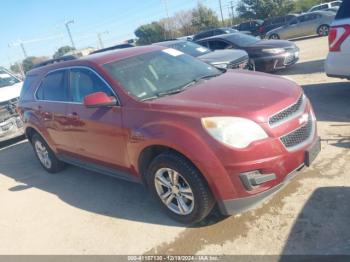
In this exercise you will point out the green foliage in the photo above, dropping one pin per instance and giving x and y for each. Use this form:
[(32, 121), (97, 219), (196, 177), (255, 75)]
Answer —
[(29, 62), (150, 33), (62, 51), (204, 18), (262, 9), (16, 68)]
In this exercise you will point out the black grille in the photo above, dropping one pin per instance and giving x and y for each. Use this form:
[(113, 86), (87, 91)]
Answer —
[(298, 136), (289, 59), (8, 109), (281, 116)]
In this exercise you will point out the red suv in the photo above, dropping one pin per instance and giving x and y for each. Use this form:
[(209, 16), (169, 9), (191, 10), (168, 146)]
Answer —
[(194, 135)]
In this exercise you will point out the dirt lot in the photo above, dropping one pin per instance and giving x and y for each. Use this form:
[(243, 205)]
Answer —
[(81, 212)]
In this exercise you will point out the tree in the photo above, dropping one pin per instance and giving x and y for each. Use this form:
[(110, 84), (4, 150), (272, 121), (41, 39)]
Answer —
[(204, 18), (16, 68), (150, 33), (62, 51), (29, 62), (262, 9)]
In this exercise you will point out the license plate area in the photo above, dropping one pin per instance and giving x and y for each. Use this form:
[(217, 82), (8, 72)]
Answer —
[(312, 153)]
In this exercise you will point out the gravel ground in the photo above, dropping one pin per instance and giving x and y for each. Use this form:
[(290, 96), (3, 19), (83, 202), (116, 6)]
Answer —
[(81, 212)]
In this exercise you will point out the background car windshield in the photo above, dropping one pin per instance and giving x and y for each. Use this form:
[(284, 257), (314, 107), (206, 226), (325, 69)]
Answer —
[(6, 79), (147, 75), (243, 39), (191, 49)]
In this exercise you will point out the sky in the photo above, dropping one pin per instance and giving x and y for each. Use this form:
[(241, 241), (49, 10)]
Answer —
[(40, 24)]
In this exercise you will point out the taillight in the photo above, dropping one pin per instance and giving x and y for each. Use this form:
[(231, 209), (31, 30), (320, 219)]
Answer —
[(337, 36)]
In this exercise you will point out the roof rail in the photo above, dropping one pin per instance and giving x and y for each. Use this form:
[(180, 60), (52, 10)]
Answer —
[(120, 46), (56, 60)]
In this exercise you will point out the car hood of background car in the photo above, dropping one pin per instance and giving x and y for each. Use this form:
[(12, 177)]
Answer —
[(10, 92), (237, 93), (221, 56), (265, 44)]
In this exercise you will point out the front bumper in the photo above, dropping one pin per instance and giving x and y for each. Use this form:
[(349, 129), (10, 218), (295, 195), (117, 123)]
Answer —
[(11, 128), (240, 205)]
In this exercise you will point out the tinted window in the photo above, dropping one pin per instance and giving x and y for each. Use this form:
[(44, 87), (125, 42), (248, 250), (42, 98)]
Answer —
[(28, 82), (344, 10), (157, 73), (244, 27), (53, 87), (84, 82), (335, 4), (218, 45)]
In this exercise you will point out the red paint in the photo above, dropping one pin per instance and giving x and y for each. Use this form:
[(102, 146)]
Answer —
[(116, 136)]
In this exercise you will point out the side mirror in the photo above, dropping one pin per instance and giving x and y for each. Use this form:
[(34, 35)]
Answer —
[(99, 99)]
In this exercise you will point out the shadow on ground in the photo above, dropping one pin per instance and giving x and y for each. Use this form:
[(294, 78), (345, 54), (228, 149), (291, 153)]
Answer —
[(304, 68), (80, 188), (322, 227), (330, 101)]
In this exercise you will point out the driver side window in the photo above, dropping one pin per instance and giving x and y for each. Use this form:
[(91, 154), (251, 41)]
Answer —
[(84, 82)]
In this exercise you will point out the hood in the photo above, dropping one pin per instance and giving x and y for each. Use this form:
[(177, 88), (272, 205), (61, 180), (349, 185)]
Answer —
[(237, 93), (264, 44), (10, 92), (224, 56)]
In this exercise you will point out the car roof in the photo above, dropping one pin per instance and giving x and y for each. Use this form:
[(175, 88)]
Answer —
[(224, 36), (170, 42), (98, 58)]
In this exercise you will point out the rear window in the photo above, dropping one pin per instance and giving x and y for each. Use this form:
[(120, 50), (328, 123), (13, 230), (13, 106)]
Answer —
[(344, 10), (28, 82)]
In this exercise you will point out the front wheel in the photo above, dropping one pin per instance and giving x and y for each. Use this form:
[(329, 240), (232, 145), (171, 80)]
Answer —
[(180, 189), (323, 30)]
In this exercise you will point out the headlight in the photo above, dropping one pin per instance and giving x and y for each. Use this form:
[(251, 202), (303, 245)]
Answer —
[(221, 65), (233, 131), (274, 51)]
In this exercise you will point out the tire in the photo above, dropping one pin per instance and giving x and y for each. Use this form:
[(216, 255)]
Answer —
[(274, 36), (45, 155), (323, 30), (190, 184)]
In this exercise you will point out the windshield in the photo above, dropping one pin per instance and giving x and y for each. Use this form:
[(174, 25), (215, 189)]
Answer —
[(6, 79), (243, 40), (191, 49), (159, 73)]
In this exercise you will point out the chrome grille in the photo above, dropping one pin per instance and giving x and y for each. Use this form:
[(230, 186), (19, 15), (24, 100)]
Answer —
[(8, 109), (289, 59), (298, 136), (236, 64), (286, 113)]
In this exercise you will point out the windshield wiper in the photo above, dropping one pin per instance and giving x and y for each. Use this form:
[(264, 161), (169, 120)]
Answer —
[(207, 77), (177, 90)]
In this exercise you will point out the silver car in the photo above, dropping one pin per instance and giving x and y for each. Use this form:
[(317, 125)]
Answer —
[(304, 25)]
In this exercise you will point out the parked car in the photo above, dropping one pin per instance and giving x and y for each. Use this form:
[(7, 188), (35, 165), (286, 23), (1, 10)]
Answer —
[(249, 26), (315, 23), (212, 32), (325, 6), (265, 55), (11, 125), (272, 23), (195, 136), (227, 59), (338, 60)]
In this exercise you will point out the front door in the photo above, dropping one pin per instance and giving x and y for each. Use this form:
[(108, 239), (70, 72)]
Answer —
[(98, 132)]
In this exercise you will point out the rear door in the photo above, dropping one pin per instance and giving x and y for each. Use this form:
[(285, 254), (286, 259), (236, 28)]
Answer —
[(98, 132), (218, 44), (52, 105)]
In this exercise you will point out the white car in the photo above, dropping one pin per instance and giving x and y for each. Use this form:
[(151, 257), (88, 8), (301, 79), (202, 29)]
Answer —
[(325, 6), (11, 125), (338, 60)]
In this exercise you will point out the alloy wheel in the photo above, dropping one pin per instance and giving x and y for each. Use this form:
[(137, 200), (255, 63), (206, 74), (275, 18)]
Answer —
[(43, 154), (323, 31), (174, 191)]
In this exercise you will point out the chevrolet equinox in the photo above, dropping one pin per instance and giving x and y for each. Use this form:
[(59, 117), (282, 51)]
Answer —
[(196, 136)]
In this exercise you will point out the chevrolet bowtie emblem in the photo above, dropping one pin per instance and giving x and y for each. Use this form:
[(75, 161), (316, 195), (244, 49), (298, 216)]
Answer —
[(304, 119)]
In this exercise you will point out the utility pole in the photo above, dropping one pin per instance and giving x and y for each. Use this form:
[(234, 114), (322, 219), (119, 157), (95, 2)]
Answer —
[(69, 32), (165, 2), (100, 38), (232, 12), (222, 16)]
